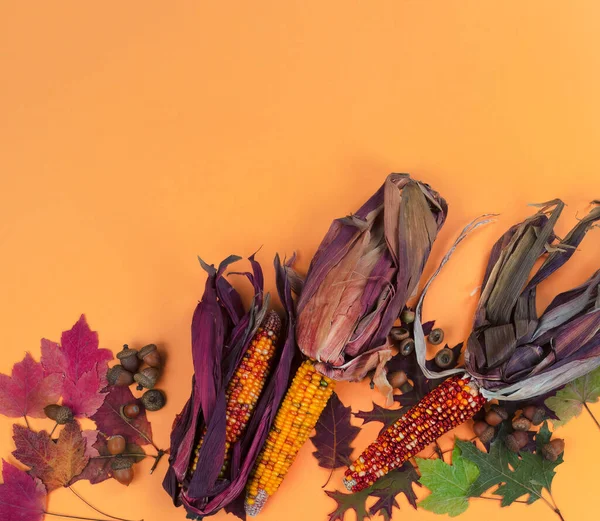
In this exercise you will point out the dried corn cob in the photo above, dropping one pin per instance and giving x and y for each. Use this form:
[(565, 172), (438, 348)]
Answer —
[(247, 383), (297, 416), (453, 402)]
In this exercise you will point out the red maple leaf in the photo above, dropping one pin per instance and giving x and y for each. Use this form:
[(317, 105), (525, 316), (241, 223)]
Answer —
[(22, 497), (55, 463), (28, 390), (83, 366)]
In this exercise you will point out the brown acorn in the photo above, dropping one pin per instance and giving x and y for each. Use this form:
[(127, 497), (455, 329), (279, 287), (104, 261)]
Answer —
[(397, 379), (116, 445), (128, 358), (119, 376), (521, 424), (147, 378), (150, 355), (407, 316), (436, 336), (407, 346), (551, 451), (496, 415), (154, 400), (398, 334), (516, 441), (534, 414), (130, 411), (444, 358), (122, 470), (59, 413)]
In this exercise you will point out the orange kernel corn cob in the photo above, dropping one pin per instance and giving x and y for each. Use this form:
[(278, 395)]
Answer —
[(297, 416), (247, 383), (450, 404)]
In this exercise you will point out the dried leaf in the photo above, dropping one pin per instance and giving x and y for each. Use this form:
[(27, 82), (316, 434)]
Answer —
[(381, 414), (55, 463), (27, 391), (449, 484), (22, 497), (334, 435), (568, 402), (398, 481), (109, 420)]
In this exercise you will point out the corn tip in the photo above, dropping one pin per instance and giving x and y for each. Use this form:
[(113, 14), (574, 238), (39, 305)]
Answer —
[(253, 509)]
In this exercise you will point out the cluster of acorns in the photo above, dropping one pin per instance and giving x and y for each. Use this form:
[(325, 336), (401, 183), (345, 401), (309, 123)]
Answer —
[(521, 423), (129, 370)]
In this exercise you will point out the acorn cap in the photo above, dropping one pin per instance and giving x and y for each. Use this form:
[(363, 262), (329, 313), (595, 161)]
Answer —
[(121, 462), (407, 346), (146, 350), (436, 336), (444, 358), (126, 352), (61, 414), (146, 378), (154, 400)]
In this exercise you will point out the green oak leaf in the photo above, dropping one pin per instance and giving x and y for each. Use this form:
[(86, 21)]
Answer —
[(449, 484), (568, 402), (517, 475)]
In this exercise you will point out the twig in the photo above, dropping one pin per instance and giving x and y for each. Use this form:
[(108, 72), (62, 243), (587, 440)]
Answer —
[(160, 454), (591, 414), (126, 455), (75, 517), (94, 508), (27, 422)]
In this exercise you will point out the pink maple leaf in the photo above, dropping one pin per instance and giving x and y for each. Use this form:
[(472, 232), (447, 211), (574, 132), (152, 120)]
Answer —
[(28, 390), (53, 359), (22, 497), (84, 397)]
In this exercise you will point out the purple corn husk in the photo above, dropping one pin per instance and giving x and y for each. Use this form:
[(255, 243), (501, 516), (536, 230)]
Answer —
[(366, 268), (221, 333), (512, 352)]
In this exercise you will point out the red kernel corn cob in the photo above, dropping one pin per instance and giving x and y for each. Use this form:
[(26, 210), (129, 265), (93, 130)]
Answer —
[(450, 404), (247, 383), (297, 416)]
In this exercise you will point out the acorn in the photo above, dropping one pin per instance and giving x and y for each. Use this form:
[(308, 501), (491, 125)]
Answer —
[(397, 379), (119, 376), (154, 400), (150, 355), (61, 414), (483, 431), (516, 441), (407, 346), (122, 470), (535, 414), (436, 336), (147, 378), (397, 334), (407, 316), (116, 444), (521, 424), (551, 451), (130, 411), (496, 415), (444, 358), (128, 358)]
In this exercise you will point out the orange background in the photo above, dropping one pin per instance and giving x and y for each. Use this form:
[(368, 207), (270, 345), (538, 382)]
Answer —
[(135, 135)]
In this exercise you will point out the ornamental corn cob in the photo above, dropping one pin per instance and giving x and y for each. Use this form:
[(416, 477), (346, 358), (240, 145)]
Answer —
[(297, 416), (450, 404), (246, 384)]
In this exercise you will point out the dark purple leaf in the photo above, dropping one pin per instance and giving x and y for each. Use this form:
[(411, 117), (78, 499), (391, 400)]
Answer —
[(382, 415)]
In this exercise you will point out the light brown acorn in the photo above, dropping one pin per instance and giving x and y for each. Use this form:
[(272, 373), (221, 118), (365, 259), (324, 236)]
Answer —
[(122, 470), (119, 376), (130, 411), (116, 444), (150, 355), (59, 413), (146, 378)]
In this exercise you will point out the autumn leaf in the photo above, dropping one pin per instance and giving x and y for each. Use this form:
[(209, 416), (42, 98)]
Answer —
[(526, 474), (381, 414), (28, 390), (22, 497), (82, 365), (449, 484), (55, 463), (386, 489), (334, 435), (109, 420), (568, 402)]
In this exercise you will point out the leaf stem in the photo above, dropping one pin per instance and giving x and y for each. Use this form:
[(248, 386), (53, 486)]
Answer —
[(94, 508), (27, 422), (126, 455), (74, 517), (142, 434), (500, 499), (591, 414), (53, 429)]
